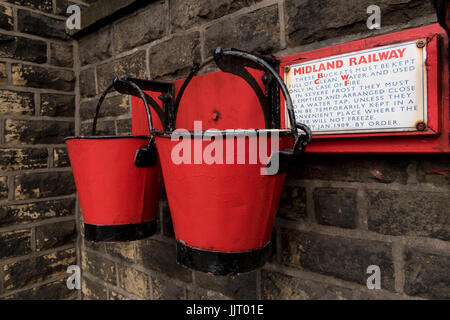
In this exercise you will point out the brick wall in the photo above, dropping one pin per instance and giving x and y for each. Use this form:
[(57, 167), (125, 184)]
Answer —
[(37, 110), (338, 213)]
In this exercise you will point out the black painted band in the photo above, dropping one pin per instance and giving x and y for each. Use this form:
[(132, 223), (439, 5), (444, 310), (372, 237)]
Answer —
[(119, 233), (222, 263)]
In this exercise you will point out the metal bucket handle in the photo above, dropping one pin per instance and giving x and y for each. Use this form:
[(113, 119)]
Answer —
[(300, 141), (146, 156), (136, 92)]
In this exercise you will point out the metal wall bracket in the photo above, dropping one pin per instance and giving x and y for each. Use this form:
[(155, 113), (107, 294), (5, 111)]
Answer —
[(167, 90), (270, 100)]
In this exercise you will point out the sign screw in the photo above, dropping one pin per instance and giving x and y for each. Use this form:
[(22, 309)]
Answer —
[(420, 44), (421, 126), (287, 68)]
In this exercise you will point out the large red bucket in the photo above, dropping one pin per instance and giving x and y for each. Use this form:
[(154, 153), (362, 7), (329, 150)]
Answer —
[(118, 193), (223, 203)]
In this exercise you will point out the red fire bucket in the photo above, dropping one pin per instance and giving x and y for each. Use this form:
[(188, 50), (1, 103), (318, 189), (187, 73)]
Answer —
[(118, 187), (223, 203)]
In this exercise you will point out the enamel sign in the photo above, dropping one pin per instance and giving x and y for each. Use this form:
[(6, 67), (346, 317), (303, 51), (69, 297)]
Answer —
[(377, 90)]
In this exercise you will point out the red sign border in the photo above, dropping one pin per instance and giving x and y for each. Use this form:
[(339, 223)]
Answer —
[(435, 139)]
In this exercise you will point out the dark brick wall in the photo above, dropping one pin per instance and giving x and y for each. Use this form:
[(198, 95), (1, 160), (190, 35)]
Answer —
[(38, 89), (338, 213)]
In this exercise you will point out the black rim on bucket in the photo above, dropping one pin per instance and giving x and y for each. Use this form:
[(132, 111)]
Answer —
[(120, 232), (222, 263)]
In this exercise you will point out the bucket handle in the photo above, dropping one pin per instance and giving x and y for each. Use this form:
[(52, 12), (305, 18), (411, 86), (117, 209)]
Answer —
[(146, 156), (136, 91), (300, 141)]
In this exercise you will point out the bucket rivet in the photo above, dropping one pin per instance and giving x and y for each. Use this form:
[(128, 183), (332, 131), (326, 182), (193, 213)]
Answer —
[(215, 115), (287, 68)]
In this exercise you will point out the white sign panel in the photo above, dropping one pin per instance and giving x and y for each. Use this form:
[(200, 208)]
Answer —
[(378, 90)]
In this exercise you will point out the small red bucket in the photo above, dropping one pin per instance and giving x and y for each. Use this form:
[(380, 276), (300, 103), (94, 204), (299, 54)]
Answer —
[(118, 187), (223, 210)]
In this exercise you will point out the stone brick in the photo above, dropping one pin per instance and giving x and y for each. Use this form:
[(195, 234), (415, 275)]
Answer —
[(131, 66), (336, 207), (308, 21), (161, 257), (20, 48), (273, 247), (41, 5), (57, 105), (6, 18), (99, 267), (242, 286), (427, 274), (96, 246), (34, 270), (409, 213), (256, 32), (158, 221), (25, 213), (166, 290), (95, 47), (55, 235), (167, 225), (185, 14), (340, 257), (145, 27), (292, 203), (37, 131), (123, 126), (175, 57), (367, 294), (60, 158), (15, 243), (93, 290), (351, 168), (3, 189), (61, 55), (111, 107), (276, 286), (3, 76), (40, 25), (43, 185), (40, 77), (16, 103), (104, 128), (87, 83), (12, 159), (122, 250), (135, 282), (51, 291), (201, 294), (434, 170), (114, 295)]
